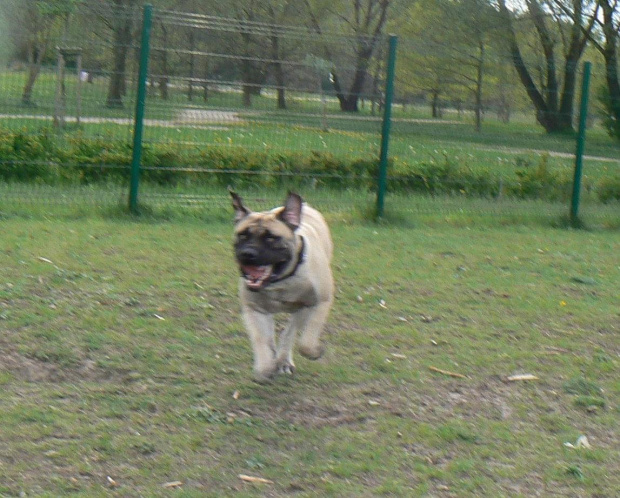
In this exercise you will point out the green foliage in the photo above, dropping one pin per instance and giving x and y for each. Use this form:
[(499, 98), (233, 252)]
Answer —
[(53, 159), (444, 177), (609, 189), (78, 160), (612, 125), (540, 182)]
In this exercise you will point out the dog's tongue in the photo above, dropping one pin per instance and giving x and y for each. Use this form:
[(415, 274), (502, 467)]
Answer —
[(256, 275)]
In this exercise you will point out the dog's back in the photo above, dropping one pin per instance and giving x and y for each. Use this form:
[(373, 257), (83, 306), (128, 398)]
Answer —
[(314, 225)]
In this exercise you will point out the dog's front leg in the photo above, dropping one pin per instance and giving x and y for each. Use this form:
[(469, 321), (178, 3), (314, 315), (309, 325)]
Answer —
[(284, 355), (260, 327)]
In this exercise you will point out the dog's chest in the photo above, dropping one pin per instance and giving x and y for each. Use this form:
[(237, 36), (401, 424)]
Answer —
[(282, 299)]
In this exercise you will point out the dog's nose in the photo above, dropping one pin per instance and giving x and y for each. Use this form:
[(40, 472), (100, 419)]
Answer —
[(248, 254)]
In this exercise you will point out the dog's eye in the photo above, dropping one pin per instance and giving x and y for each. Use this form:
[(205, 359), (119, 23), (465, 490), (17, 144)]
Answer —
[(270, 238), (243, 236)]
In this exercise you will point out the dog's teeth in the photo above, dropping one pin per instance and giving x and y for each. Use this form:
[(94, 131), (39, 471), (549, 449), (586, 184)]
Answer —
[(257, 275)]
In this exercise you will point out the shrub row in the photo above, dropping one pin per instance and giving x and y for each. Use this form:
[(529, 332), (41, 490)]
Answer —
[(49, 159)]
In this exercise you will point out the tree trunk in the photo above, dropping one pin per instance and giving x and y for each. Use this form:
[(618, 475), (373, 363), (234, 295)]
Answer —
[(192, 65), (611, 66), (368, 37), (164, 78), (349, 102), (36, 54), (205, 84), (545, 116), (478, 91), (122, 41), (246, 71), (278, 71), (567, 102), (435, 111), (338, 89), (613, 83), (247, 96), (279, 75), (60, 104), (554, 110), (33, 74), (503, 111)]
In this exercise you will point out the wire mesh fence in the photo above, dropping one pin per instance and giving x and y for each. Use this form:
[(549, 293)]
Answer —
[(265, 107)]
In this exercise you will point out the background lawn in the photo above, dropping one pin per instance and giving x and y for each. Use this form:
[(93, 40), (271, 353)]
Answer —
[(124, 366)]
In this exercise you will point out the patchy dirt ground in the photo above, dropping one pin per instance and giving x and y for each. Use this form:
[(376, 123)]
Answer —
[(124, 366)]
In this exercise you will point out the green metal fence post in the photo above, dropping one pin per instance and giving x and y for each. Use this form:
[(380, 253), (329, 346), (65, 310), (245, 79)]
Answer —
[(385, 129), (581, 139), (140, 105)]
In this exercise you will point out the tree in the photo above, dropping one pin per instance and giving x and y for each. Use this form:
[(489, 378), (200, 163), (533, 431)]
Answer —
[(164, 68), (365, 20), (118, 16), (609, 23), (247, 45), (425, 56), (451, 52), (611, 31), (279, 13), (38, 21), (263, 48), (5, 44), (553, 98), (472, 26)]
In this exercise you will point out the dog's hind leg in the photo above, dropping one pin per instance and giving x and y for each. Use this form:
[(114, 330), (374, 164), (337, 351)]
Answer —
[(311, 328), (260, 328)]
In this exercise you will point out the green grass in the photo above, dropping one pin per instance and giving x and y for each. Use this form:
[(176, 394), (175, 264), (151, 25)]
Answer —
[(124, 365)]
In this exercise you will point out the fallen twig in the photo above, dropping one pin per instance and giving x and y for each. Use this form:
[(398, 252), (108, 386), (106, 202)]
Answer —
[(446, 372), (514, 378), (173, 484), (260, 480)]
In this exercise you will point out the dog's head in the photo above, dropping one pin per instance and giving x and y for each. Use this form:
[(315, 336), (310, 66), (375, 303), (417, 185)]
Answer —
[(266, 246)]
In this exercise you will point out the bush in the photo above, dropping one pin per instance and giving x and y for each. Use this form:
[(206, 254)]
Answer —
[(159, 166), (51, 159), (444, 177), (610, 121), (540, 182), (609, 189), (26, 158)]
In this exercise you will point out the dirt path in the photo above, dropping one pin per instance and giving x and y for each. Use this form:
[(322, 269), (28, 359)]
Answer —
[(186, 116), (564, 155)]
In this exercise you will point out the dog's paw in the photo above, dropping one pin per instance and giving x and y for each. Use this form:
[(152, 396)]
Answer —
[(286, 367), (262, 379), (265, 376), (312, 352)]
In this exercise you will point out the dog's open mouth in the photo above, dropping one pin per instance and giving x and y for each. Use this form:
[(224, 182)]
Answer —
[(256, 276)]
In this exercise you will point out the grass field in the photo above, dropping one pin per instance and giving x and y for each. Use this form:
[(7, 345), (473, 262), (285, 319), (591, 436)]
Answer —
[(125, 369)]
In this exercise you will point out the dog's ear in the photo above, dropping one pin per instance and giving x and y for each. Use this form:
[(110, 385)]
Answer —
[(291, 214), (240, 210)]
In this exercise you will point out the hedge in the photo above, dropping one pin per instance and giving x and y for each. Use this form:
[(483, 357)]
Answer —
[(51, 159)]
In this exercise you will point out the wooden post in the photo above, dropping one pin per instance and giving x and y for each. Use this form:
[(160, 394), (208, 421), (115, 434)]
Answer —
[(59, 104), (78, 102)]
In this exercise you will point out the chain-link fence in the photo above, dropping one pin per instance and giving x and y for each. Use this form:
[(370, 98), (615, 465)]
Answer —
[(265, 107)]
